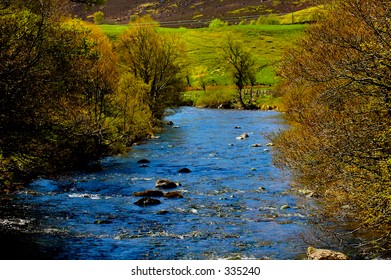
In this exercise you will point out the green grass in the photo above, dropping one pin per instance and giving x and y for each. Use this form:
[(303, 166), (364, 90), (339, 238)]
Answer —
[(266, 42), (113, 31), (305, 15)]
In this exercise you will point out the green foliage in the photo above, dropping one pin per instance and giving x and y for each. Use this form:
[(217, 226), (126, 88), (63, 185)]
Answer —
[(134, 119), (216, 23), (157, 59), (241, 65), (270, 19), (215, 98), (243, 22), (337, 92), (53, 101), (113, 31), (62, 105), (99, 17), (133, 19)]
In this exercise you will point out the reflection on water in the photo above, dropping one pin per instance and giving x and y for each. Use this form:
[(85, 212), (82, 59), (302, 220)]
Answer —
[(235, 204)]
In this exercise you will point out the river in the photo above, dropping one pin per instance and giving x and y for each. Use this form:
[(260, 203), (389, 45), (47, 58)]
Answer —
[(235, 205)]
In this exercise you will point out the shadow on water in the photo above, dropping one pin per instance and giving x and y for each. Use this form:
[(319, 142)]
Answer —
[(235, 204), (20, 235)]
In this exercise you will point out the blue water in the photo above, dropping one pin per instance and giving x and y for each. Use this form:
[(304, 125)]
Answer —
[(231, 207)]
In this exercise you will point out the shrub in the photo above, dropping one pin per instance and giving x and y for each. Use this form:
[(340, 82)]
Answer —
[(215, 23), (215, 98), (270, 19), (337, 93), (99, 17)]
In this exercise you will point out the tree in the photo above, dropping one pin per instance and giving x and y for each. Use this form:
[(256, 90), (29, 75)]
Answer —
[(135, 117), (55, 79), (242, 66), (337, 91), (99, 17), (202, 75), (156, 59)]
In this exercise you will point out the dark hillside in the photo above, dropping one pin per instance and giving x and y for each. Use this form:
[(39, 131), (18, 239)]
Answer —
[(190, 13)]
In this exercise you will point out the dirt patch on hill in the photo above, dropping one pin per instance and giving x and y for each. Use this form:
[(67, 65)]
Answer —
[(191, 13)]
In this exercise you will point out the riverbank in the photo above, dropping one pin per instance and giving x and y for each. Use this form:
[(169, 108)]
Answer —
[(227, 98)]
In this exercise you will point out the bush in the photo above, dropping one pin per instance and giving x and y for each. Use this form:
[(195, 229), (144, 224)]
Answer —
[(337, 94), (99, 17), (215, 23), (215, 98), (270, 19), (57, 120)]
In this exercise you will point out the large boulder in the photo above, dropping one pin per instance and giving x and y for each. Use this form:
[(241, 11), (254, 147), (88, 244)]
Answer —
[(166, 184), (323, 254), (149, 193), (147, 201)]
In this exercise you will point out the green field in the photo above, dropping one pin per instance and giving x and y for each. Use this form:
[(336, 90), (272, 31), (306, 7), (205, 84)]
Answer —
[(267, 43)]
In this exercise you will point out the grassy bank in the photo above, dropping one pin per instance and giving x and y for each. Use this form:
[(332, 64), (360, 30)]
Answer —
[(205, 66)]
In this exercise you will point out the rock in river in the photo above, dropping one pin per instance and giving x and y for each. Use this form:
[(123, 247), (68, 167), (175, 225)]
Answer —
[(166, 184), (173, 195), (147, 201), (322, 254), (243, 136), (149, 193), (102, 222), (143, 161), (162, 212), (184, 170), (256, 145)]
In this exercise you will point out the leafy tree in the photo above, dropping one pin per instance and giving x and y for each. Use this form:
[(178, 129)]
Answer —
[(202, 75), (337, 85), (99, 17), (156, 59), (242, 66), (135, 117), (55, 77)]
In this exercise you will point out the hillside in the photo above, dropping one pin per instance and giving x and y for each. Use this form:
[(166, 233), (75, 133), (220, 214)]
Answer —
[(190, 13)]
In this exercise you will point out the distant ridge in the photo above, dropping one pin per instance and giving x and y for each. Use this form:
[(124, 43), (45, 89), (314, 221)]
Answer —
[(190, 13)]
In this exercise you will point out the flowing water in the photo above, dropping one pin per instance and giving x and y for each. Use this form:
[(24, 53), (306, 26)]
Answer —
[(234, 205)]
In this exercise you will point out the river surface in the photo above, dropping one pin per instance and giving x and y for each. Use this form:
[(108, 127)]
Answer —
[(235, 203)]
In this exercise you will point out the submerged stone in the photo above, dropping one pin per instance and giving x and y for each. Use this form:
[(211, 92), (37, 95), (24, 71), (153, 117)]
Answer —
[(184, 170), (173, 195), (163, 212), (143, 161), (149, 193), (147, 201), (256, 145), (102, 222)]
